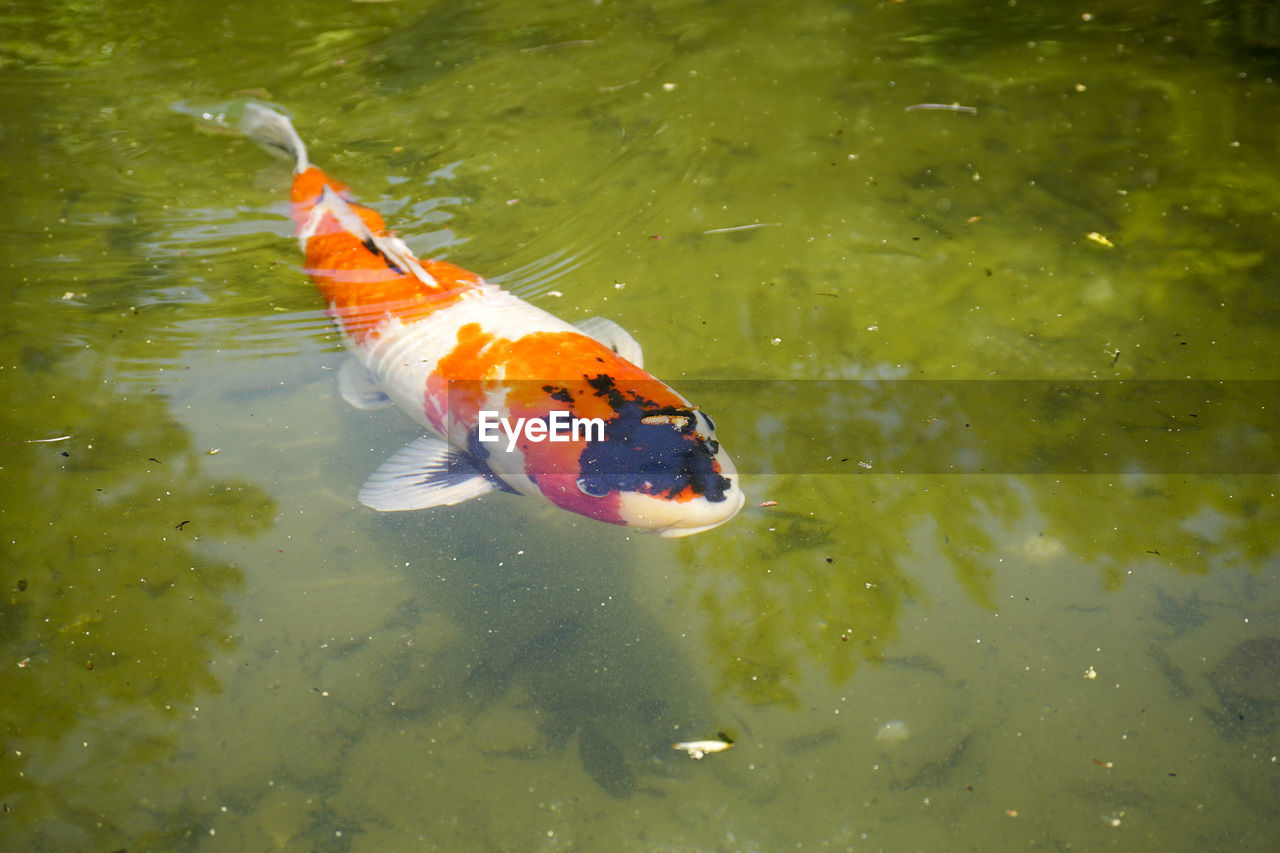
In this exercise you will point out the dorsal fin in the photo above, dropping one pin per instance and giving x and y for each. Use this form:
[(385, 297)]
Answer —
[(392, 249)]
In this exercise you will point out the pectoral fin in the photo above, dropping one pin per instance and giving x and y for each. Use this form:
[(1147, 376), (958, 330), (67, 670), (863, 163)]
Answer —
[(614, 337), (359, 388), (428, 472)]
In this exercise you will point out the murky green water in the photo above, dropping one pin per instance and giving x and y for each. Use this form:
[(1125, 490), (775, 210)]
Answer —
[(207, 644)]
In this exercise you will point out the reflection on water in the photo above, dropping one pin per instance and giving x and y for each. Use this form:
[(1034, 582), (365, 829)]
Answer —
[(205, 643), (112, 608), (836, 595), (1116, 427)]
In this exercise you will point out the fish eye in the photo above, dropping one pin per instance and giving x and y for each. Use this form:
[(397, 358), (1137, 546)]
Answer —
[(590, 490)]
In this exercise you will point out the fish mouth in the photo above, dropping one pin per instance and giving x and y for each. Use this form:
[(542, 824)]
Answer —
[(674, 531)]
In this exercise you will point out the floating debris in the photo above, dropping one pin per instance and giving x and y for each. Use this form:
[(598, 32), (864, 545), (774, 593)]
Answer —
[(38, 440), (952, 108), (701, 748), (894, 731), (741, 227)]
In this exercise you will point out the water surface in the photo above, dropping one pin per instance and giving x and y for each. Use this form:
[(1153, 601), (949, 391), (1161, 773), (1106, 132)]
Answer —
[(206, 643)]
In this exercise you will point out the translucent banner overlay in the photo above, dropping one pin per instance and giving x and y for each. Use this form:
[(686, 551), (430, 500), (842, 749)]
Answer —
[(970, 427)]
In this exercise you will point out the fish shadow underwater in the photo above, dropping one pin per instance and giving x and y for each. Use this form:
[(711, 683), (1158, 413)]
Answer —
[(1246, 682), (555, 656)]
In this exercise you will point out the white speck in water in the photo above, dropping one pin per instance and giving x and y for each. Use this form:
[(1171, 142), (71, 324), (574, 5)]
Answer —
[(894, 731)]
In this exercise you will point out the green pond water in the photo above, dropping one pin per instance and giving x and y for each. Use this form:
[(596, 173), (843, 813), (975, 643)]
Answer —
[(1011, 487)]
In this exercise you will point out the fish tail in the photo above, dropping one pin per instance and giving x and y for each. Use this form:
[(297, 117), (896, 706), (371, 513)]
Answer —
[(273, 131)]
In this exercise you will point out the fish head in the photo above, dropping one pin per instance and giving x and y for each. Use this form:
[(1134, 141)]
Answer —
[(623, 449), (662, 470)]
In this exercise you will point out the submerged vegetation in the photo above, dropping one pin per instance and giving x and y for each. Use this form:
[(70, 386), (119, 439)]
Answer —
[(936, 584)]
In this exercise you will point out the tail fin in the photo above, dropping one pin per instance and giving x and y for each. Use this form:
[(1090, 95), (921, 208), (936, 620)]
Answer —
[(264, 124), (274, 132)]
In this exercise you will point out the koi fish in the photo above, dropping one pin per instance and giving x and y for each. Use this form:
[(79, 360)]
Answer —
[(462, 357)]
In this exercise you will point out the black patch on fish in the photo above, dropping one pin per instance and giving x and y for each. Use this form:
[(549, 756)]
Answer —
[(561, 394), (607, 387), (604, 385), (375, 250), (659, 456)]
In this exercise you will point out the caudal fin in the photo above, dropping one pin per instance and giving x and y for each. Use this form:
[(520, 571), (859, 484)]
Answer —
[(265, 125), (273, 131)]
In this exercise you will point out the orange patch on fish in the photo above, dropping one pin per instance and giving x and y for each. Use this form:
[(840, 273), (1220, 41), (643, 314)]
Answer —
[(365, 289)]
